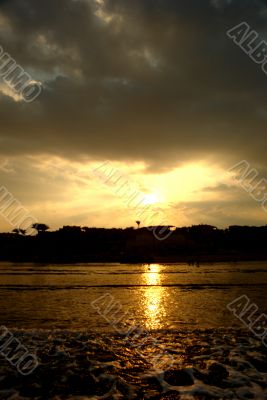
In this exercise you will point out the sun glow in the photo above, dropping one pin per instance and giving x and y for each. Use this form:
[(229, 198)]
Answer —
[(70, 194), (151, 199)]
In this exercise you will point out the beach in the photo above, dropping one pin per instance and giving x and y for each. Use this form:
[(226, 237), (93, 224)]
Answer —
[(133, 200), (111, 331), (207, 364)]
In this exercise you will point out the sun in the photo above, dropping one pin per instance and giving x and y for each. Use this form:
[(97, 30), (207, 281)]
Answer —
[(151, 199)]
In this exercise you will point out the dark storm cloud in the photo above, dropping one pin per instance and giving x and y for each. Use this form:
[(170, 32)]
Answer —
[(154, 80)]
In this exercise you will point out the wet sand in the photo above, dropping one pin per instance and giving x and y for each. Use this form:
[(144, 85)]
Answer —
[(206, 364)]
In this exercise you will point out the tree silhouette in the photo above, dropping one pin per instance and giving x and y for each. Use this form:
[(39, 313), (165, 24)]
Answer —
[(40, 227), (199, 243)]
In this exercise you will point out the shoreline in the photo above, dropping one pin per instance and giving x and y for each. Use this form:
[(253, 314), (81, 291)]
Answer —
[(207, 363), (201, 259)]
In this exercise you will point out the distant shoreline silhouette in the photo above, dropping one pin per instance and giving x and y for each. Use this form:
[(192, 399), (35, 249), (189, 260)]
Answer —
[(193, 245)]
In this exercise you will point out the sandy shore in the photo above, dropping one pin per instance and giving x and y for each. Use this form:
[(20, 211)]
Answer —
[(207, 364)]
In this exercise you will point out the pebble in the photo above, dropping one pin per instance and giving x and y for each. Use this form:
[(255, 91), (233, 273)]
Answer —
[(178, 378)]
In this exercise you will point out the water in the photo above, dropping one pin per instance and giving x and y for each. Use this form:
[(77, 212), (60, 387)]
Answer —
[(174, 296)]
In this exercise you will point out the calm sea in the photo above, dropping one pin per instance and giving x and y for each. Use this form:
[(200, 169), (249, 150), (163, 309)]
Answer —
[(173, 296)]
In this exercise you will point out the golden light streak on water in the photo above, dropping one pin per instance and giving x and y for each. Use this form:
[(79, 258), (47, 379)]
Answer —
[(153, 297)]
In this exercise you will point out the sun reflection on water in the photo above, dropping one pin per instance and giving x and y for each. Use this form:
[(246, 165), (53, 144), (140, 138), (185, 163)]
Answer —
[(152, 274), (153, 297)]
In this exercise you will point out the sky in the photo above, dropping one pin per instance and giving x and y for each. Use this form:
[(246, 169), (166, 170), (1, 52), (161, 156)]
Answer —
[(155, 88)]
